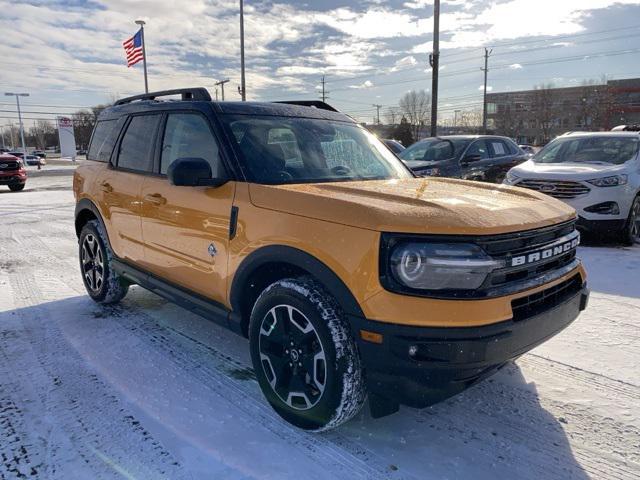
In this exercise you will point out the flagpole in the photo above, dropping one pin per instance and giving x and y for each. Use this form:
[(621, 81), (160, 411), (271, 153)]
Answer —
[(144, 54)]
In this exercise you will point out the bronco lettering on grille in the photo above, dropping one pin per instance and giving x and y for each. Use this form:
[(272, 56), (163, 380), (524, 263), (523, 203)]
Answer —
[(546, 253)]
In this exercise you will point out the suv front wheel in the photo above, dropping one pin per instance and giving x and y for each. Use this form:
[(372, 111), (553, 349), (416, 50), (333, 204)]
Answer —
[(304, 355), (631, 231), (102, 283)]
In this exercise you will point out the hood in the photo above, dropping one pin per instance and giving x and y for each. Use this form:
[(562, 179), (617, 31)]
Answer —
[(566, 171), (417, 205)]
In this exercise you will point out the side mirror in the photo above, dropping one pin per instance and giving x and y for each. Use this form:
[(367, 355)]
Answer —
[(192, 172)]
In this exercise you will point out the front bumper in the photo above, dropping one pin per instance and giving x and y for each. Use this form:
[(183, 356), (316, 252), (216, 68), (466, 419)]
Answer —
[(446, 361), (12, 179)]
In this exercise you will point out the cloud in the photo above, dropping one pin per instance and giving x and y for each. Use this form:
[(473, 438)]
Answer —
[(365, 84), (404, 62), (515, 66), (489, 88)]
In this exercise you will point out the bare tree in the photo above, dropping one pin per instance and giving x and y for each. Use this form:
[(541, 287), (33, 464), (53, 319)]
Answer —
[(415, 106), (83, 123), (41, 133), (392, 116), (544, 110), (470, 118)]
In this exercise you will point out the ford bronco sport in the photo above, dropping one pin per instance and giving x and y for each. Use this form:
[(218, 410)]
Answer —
[(293, 226)]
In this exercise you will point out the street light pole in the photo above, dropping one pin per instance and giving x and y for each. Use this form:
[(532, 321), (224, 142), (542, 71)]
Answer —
[(435, 65), (243, 87), (18, 95), (144, 54)]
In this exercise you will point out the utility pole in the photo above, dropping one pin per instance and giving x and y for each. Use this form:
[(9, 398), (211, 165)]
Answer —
[(221, 83), (324, 92), (18, 95), (378, 107), (455, 117), (487, 53), (434, 60), (243, 87), (216, 94), (144, 54)]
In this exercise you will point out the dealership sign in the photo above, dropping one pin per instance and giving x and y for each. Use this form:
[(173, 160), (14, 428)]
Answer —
[(67, 138)]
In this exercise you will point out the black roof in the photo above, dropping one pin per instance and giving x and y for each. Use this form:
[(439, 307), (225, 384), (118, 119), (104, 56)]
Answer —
[(194, 96)]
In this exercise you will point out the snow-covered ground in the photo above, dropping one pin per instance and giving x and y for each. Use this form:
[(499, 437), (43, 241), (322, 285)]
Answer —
[(146, 390)]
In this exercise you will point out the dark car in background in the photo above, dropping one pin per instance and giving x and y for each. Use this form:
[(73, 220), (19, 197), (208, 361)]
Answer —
[(39, 153), (472, 157), (394, 145)]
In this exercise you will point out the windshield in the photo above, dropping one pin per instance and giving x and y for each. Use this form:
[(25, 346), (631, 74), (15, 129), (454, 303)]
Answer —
[(596, 150), (278, 150), (435, 149)]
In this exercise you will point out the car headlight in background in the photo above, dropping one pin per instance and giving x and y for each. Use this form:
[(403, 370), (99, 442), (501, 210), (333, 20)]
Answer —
[(440, 266), (511, 178), (612, 181)]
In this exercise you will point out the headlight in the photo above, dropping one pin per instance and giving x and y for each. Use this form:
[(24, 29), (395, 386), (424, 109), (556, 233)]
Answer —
[(511, 178), (440, 266), (612, 181)]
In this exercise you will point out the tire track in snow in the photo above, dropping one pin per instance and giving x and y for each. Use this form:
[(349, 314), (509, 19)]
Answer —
[(76, 399)]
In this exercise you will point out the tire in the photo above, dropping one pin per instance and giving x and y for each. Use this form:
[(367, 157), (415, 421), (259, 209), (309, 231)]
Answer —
[(631, 232), (310, 370), (102, 283), (17, 187)]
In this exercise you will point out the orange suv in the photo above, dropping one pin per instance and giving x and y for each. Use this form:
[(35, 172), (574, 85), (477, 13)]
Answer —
[(294, 226)]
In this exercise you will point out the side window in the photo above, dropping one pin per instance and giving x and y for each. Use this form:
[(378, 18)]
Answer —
[(499, 148), (479, 147), (103, 140), (187, 135), (416, 154), (137, 144)]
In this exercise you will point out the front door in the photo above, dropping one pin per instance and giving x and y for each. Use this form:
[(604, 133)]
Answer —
[(186, 229)]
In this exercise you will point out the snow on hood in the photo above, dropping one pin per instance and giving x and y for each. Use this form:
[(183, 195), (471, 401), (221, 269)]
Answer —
[(417, 205), (558, 171)]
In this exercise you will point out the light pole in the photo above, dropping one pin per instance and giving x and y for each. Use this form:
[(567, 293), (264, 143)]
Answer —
[(455, 117), (18, 95), (221, 84), (243, 87), (435, 66), (144, 54)]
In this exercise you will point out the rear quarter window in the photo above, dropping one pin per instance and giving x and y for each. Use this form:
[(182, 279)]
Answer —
[(103, 140)]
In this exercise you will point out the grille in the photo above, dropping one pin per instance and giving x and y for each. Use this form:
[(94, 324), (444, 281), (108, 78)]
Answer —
[(537, 303), (556, 189), (6, 165)]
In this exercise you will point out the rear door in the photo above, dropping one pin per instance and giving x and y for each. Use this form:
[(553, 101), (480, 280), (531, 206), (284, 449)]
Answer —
[(504, 155), (121, 185), (186, 229)]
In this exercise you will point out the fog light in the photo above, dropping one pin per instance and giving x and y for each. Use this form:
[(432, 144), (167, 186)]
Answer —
[(605, 208), (413, 350)]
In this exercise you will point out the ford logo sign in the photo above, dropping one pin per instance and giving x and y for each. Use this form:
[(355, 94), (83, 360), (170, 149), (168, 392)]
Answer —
[(4, 165), (548, 188)]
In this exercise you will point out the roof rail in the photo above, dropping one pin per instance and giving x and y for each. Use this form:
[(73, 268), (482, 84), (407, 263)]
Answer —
[(310, 103), (626, 128), (198, 93)]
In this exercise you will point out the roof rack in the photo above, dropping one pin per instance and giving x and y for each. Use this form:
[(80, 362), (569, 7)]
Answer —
[(194, 94), (310, 103), (626, 128)]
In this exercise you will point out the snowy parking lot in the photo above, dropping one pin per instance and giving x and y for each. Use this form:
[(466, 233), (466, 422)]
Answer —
[(147, 390)]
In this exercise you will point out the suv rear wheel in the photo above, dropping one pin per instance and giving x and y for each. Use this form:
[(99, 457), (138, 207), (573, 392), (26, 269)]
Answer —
[(102, 283), (631, 232), (17, 187), (304, 355)]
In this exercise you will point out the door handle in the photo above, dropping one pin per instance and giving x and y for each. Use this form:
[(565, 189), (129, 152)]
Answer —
[(106, 187), (155, 198)]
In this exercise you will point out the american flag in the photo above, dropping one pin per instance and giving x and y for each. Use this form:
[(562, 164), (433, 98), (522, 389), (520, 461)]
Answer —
[(133, 49)]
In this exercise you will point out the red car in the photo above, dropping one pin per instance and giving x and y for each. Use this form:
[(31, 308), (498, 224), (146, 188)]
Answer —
[(12, 172)]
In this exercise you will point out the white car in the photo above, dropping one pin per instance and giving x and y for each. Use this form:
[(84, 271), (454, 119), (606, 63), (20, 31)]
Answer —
[(598, 174)]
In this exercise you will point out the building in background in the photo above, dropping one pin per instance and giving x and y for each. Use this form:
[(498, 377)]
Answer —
[(537, 116)]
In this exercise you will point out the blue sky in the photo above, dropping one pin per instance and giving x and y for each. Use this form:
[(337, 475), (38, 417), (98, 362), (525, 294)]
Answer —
[(69, 54)]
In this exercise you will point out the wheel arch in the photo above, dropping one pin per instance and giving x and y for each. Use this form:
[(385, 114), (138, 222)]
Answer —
[(86, 211), (272, 263)]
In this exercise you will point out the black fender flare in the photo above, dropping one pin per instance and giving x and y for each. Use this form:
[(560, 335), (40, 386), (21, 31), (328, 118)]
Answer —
[(86, 204), (297, 258)]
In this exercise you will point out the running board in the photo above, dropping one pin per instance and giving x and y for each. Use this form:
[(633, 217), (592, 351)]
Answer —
[(195, 303)]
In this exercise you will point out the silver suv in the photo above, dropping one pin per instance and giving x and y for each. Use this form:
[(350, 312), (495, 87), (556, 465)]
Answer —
[(597, 173)]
